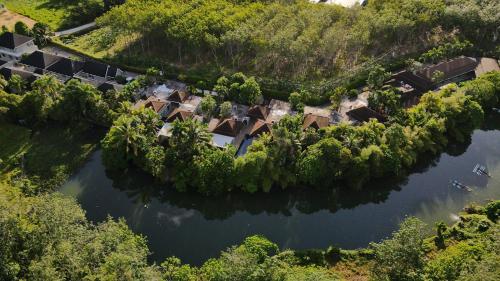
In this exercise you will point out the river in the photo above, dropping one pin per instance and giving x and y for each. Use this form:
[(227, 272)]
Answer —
[(195, 228)]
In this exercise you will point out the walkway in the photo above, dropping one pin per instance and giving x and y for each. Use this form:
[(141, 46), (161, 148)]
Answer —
[(75, 29)]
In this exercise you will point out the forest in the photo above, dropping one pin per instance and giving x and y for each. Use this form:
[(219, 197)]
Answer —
[(288, 44)]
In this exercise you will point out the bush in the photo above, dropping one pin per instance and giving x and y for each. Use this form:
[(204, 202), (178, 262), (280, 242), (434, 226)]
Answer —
[(492, 210)]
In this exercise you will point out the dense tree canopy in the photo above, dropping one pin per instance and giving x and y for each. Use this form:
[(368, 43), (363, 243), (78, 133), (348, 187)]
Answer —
[(282, 40)]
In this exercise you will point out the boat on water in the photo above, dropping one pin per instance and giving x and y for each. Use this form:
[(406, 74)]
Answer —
[(481, 170), (460, 185)]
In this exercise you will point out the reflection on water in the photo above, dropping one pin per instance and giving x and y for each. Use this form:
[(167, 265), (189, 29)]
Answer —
[(195, 228)]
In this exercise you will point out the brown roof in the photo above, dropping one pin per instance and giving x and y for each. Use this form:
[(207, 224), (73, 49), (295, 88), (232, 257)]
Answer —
[(228, 127), (258, 111), (260, 127), (450, 68), (177, 96), (156, 105), (178, 114), (364, 114), (315, 121), (422, 79)]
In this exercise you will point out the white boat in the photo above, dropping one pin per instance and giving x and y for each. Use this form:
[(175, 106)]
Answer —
[(460, 185)]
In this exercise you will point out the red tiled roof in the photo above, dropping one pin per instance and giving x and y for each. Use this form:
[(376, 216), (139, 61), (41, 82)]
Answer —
[(258, 111), (364, 114), (260, 127), (177, 96), (315, 121), (227, 127), (156, 105), (178, 114)]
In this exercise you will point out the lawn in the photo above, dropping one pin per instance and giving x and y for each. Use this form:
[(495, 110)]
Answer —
[(47, 157), (58, 14)]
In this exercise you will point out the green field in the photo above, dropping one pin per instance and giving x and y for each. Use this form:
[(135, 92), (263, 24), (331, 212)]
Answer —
[(48, 156), (58, 14), (40, 10)]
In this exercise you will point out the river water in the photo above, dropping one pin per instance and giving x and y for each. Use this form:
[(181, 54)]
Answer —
[(195, 228)]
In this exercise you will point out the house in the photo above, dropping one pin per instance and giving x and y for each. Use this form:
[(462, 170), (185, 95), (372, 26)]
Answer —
[(40, 60), (454, 70), (239, 112), (260, 127), (364, 114), (258, 112), (97, 71), (410, 95), (7, 73), (277, 110), (66, 67), (13, 46), (163, 92), (315, 121), (178, 96), (228, 127), (224, 132), (157, 106), (179, 114), (191, 103)]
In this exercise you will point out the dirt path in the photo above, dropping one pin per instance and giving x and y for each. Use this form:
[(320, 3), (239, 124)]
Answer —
[(9, 19)]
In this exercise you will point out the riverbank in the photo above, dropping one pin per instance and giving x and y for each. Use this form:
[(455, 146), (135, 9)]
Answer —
[(467, 249), (41, 159)]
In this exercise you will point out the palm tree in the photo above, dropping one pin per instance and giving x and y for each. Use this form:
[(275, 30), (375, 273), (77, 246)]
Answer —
[(126, 132)]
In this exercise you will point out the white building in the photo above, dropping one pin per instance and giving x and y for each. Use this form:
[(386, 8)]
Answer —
[(13, 46)]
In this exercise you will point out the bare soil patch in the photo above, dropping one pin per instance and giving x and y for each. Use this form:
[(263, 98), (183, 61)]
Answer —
[(9, 19)]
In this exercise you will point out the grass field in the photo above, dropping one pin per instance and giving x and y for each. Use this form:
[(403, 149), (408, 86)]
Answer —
[(55, 13), (47, 157), (39, 10)]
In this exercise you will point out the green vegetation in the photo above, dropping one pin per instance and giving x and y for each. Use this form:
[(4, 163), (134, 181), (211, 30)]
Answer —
[(333, 156), (61, 14), (60, 130), (42, 159), (282, 43)]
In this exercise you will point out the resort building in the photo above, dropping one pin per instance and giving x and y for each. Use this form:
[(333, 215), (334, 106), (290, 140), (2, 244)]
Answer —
[(13, 46)]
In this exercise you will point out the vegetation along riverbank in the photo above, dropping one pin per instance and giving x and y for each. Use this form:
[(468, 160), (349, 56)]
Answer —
[(289, 155), (48, 238)]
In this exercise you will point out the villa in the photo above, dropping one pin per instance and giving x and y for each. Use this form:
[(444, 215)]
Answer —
[(13, 46)]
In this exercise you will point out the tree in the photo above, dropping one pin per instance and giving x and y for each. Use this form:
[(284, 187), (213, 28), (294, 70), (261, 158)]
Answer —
[(225, 110), (295, 100), (208, 106), (189, 139), (437, 76), (132, 139), (336, 97), (388, 101), (402, 256), (17, 84), (42, 100), (3, 83), (21, 28), (377, 77), (152, 75), (239, 88), (40, 32), (123, 142), (215, 170)]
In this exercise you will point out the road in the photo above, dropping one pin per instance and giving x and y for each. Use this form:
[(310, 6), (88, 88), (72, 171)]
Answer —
[(75, 29)]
